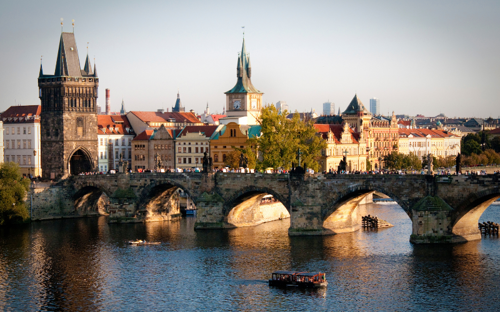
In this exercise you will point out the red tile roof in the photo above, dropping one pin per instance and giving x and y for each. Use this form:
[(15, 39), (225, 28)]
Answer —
[(405, 122), (22, 113), (206, 130), (337, 132), (495, 131), (164, 117), (145, 135), (216, 118), (113, 124)]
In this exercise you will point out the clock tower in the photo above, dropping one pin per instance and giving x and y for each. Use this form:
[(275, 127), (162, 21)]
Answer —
[(243, 101)]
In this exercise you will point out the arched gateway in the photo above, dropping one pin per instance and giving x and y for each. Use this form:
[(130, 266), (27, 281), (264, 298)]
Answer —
[(80, 161)]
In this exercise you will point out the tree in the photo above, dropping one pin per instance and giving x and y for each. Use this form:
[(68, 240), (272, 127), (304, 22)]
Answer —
[(282, 138), (233, 159), (368, 165), (13, 188), (495, 144), (471, 147)]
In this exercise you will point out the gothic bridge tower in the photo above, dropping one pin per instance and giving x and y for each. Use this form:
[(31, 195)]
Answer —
[(69, 114)]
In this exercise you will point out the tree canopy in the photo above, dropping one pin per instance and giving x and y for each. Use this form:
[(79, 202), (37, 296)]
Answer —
[(13, 188), (398, 161), (282, 138)]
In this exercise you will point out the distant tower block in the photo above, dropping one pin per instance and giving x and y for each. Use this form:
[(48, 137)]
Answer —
[(108, 105)]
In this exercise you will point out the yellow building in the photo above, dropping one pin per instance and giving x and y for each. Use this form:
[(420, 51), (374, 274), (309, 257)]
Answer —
[(342, 141)]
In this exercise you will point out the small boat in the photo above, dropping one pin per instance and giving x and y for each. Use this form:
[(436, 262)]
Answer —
[(298, 279), (142, 243), (190, 212)]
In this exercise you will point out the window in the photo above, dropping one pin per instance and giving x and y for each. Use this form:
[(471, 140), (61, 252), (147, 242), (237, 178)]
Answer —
[(184, 160), (29, 143), (196, 149), (18, 158), (189, 149), (189, 160), (7, 145), (184, 149), (102, 167), (179, 149), (29, 159), (216, 158), (129, 153), (101, 145), (102, 155), (123, 141), (18, 144), (7, 130), (129, 142), (116, 142), (24, 144), (13, 144), (179, 160), (223, 157), (196, 160), (7, 158), (24, 130), (18, 130), (116, 154)]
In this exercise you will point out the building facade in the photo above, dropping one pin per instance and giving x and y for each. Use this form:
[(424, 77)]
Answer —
[(243, 101), (191, 144), (141, 120), (154, 150), (21, 138), (115, 137), (422, 142), (1, 142), (69, 114), (341, 141), (375, 106)]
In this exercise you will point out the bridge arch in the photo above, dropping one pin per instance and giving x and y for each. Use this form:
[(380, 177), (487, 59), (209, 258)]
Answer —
[(342, 216), (91, 199), (243, 207), (468, 212), (159, 200)]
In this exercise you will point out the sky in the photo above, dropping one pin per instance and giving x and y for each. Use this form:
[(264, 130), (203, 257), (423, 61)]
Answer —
[(417, 57)]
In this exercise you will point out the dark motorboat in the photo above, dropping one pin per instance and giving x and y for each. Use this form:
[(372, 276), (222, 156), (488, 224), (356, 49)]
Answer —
[(298, 279)]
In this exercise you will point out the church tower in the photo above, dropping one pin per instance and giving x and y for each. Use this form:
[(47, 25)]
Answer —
[(69, 114), (243, 101)]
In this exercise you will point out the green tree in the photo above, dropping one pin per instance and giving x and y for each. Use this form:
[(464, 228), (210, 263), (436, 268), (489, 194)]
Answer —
[(233, 159), (495, 144), (282, 138), (13, 188), (471, 147), (250, 152), (368, 165)]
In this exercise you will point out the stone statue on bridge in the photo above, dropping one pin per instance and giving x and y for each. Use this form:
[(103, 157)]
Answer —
[(343, 164), (158, 162), (243, 161), (458, 163), (430, 167), (207, 163)]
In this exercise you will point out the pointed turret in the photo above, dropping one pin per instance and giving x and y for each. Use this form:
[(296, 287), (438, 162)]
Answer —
[(122, 109), (87, 68), (356, 107), (95, 69), (41, 71)]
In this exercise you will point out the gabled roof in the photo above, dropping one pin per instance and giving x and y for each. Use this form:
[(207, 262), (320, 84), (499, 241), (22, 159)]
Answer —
[(243, 72), (164, 117), (113, 124), (22, 113), (355, 107), (337, 130), (216, 118), (145, 135), (206, 130), (405, 122), (424, 133)]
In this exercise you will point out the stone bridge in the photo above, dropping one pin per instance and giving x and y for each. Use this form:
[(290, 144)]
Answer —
[(441, 208)]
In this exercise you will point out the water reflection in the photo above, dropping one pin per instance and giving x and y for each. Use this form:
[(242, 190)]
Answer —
[(71, 264)]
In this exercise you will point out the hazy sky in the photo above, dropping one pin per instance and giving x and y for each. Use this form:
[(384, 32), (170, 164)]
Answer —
[(426, 57)]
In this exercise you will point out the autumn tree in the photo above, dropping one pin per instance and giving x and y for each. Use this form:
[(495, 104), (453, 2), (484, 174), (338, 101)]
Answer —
[(282, 138)]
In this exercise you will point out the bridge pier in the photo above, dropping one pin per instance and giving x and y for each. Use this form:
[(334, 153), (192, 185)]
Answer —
[(210, 212), (432, 222)]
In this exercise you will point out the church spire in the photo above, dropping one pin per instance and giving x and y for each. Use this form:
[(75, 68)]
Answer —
[(41, 71), (243, 72), (122, 110), (95, 69), (87, 68)]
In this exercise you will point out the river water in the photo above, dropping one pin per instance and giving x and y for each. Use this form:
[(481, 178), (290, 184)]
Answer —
[(86, 265)]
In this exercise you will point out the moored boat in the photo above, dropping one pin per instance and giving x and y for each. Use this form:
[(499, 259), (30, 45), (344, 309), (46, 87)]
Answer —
[(142, 243), (298, 279)]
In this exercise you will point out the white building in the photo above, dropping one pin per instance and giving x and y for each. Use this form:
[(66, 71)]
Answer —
[(375, 106), (21, 138), (114, 139), (282, 106), (422, 142), (328, 108)]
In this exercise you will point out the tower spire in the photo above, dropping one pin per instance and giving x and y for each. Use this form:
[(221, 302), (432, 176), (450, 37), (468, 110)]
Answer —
[(41, 69), (87, 68)]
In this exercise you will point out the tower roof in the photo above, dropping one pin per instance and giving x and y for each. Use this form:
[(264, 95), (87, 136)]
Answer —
[(355, 107), (244, 72), (68, 61), (178, 105)]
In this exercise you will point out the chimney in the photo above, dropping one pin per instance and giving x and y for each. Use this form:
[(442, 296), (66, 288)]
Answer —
[(108, 108)]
